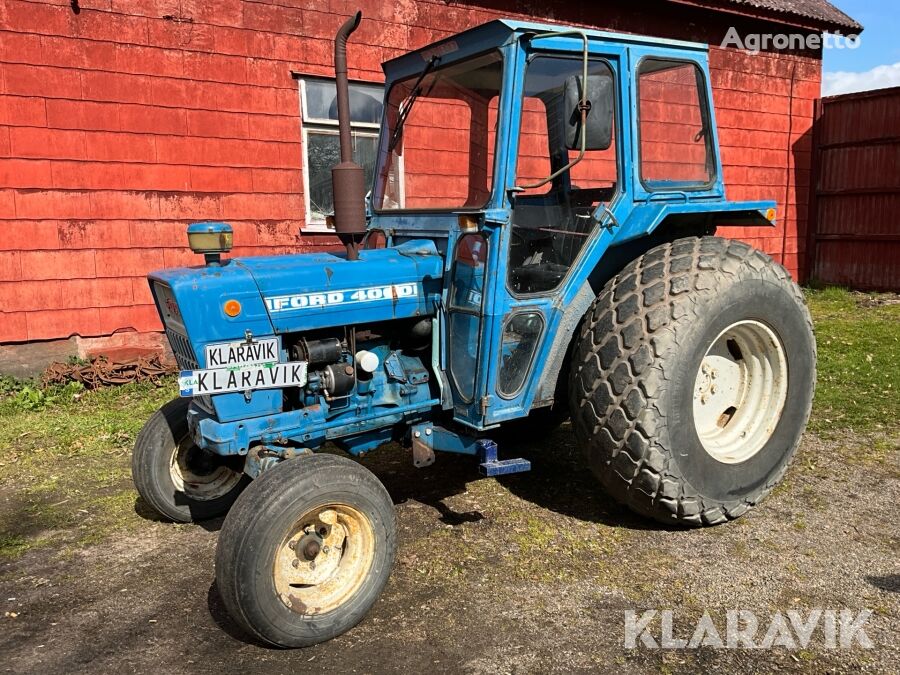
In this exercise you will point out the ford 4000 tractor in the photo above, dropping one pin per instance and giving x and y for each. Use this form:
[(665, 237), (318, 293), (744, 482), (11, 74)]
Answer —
[(536, 242)]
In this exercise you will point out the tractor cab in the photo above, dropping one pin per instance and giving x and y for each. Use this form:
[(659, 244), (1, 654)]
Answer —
[(526, 152)]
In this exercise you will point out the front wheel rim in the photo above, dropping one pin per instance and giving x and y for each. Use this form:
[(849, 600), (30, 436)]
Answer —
[(740, 391), (324, 559), (193, 474)]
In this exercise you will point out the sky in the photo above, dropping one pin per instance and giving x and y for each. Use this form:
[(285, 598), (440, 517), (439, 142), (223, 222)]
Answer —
[(875, 64)]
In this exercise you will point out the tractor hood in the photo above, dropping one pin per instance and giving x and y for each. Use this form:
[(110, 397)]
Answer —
[(293, 293)]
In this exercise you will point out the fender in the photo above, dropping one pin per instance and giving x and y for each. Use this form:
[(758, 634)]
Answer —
[(648, 225), (647, 217)]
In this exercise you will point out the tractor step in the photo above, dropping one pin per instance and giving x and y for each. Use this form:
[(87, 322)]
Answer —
[(491, 466)]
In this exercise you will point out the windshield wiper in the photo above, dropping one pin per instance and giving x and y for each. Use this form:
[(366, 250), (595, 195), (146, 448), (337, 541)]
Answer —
[(410, 100)]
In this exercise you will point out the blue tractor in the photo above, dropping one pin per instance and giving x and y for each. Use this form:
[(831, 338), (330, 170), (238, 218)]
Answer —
[(568, 269)]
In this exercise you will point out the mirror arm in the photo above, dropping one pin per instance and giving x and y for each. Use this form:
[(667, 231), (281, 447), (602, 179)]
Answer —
[(583, 107)]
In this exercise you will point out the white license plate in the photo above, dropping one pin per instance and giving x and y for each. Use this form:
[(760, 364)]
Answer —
[(245, 378), (243, 353)]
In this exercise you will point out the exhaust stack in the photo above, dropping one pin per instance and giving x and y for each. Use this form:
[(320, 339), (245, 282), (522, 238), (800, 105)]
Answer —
[(347, 178)]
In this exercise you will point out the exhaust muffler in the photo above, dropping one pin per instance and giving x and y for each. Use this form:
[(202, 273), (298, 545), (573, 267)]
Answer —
[(347, 178)]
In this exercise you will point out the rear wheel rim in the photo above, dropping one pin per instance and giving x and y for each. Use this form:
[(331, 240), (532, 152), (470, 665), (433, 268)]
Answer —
[(740, 391), (325, 559), (198, 475)]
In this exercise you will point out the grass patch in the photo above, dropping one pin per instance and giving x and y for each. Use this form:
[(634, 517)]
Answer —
[(12, 545), (65, 461), (858, 337)]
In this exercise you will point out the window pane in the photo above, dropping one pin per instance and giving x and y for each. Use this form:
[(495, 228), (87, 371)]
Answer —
[(464, 333), (468, 279), (675, 143), (323, 152), (447, 125), (366, 102), (465, 325), (552, 223), (520, 338), (541, 153)]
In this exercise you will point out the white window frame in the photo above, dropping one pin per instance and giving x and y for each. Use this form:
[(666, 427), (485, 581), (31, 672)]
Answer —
[(330, 127)]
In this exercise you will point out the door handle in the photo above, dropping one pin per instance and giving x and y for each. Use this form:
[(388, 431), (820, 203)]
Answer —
[(613, 221)]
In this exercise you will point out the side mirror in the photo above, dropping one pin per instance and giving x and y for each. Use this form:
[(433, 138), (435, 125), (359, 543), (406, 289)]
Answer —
[(600, 116)]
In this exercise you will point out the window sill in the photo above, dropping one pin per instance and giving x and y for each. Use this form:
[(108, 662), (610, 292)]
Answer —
[(317, 228)]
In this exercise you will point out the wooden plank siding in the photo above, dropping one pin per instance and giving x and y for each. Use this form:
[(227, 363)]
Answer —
[(123, 122)]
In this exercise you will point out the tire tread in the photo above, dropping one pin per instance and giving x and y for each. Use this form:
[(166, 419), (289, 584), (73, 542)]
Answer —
[(619, 377)]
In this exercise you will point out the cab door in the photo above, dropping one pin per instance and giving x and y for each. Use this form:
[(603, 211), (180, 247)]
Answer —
[(558, 228)]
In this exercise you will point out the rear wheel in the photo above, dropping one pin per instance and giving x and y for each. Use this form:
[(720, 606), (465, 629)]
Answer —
[(306, 550), (179, 480), (692, 380)]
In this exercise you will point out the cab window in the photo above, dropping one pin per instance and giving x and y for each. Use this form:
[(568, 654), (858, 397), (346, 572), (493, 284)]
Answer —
[(553, 221), (441, 124), (675, 143)]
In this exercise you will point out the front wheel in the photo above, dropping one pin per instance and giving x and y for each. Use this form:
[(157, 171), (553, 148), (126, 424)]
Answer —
[(177, 479), (306, 550), (692, 381)]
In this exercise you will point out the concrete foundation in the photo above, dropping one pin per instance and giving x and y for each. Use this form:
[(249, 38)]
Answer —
[(31, 359)]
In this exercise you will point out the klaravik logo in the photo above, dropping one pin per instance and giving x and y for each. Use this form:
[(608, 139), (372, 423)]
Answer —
[(743, 629)]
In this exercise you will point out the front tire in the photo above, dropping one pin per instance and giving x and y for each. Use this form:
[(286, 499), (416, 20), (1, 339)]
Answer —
[(177, 479), (306, 550), (692, 380)]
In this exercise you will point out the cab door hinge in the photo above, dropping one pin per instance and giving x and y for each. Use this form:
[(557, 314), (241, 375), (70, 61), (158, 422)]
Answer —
[(486, 402)]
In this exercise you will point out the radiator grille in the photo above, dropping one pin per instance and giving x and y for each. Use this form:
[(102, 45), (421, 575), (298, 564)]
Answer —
[(182, 349)]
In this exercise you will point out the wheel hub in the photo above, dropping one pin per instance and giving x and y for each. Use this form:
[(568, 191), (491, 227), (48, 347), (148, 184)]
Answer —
[(309, 546), (740, 391), (324, 560), (199, 475)]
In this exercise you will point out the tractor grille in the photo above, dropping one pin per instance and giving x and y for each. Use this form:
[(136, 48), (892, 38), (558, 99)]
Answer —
[(184, 353)]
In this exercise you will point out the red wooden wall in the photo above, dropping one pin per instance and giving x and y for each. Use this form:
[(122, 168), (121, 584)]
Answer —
[(121, 123)]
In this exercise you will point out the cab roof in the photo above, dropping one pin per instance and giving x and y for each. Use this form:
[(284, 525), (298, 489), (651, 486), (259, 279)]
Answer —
[(500, 32)]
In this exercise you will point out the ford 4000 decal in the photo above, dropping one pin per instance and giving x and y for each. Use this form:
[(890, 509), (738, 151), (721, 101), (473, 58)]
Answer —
[(349, 296)]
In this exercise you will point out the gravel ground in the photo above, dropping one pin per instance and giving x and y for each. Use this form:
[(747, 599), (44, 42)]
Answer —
[(531, 573)]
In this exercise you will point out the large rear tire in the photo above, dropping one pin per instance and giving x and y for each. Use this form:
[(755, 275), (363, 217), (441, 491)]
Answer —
[(306, 550), (692, 380)]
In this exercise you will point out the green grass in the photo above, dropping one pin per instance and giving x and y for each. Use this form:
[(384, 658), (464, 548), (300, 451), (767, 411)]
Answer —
[(65, 462), (859, 362)]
